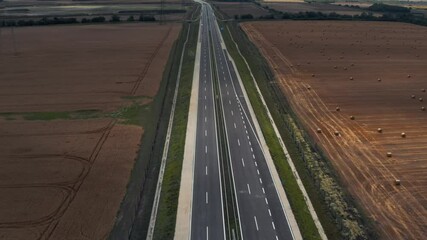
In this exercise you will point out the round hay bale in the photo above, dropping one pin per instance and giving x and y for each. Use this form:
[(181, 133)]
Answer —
[(352, 117), (337, 109), (423, 108), (420, 99), (397, 182), (389, 154), (335, 67), (379, 79), (351, 78), (319, 130), (403, 135), (423, 90), (380, 130), (313, 75), (337, 133), (413, 96), (308, 87), (409, 76)]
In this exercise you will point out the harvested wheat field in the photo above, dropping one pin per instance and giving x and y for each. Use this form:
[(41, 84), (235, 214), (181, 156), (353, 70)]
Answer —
[(65, 178), (363, 84)]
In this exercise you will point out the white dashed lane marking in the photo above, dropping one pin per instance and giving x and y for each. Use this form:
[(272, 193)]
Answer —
[(256, 223)]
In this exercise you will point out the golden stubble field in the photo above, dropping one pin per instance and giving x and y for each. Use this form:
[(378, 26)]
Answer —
[(65, 179), (345, 80)]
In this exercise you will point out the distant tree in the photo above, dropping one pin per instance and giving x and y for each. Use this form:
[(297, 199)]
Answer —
[(131, 19), (246, 16), (333, 15), (143, 18), (286, 15), (115, 18), (268, 16), (98, 19), (381, 7)]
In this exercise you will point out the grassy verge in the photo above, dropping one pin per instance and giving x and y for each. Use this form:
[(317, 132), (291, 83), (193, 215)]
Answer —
[(305, 222), (166, 216), (340, 216)]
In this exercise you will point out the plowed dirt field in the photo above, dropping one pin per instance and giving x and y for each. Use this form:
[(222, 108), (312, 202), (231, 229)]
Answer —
[(65, 179)]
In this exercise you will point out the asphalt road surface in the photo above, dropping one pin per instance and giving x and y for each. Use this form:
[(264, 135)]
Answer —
[(207, 209), (260, 211)]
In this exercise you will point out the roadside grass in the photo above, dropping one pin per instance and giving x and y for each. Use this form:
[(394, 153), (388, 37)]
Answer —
[(168, 204), (296, 199)]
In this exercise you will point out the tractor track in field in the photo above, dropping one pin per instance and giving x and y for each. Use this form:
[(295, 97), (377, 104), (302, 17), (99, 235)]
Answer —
[(69, 189), (148, 64)]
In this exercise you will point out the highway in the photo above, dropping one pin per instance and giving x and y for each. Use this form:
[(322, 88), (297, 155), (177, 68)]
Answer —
[(260, 211), (207, 209)]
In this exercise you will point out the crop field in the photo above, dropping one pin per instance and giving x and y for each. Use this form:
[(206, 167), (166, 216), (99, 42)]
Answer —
[(66, 148), (239, 8), (359, 88)]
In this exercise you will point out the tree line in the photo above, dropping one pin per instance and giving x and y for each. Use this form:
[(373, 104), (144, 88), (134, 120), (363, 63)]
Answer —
[(391, 17), (63, 20)]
